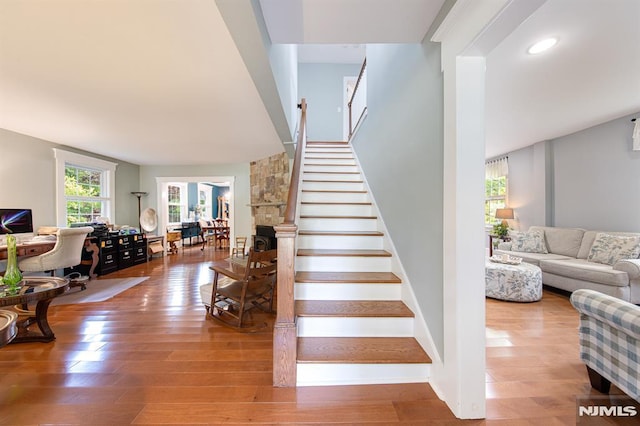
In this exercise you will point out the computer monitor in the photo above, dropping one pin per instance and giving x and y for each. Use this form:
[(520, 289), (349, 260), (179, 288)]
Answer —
[(16, 221)]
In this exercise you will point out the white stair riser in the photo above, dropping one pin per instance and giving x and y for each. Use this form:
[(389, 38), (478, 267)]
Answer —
[(332, 176), (333, 186), (321, 152), (343, 264), (354, 327), (309, 161), (347, 291), (340, 169), (360, 374), (339, 242), (336, 209), (314, 155), (338, 224), (328, 147), (335, 197)]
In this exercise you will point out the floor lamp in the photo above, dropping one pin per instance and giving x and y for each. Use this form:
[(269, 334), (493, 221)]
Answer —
[(139, 194)]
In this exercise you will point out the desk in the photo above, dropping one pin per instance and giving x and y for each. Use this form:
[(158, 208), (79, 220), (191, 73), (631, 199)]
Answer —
[(29, 249), (41, 290)]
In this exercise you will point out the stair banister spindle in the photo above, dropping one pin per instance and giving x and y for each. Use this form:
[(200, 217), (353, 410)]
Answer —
[(284, 332)]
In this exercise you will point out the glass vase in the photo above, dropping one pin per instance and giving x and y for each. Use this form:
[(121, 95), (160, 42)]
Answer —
[(12, 276)]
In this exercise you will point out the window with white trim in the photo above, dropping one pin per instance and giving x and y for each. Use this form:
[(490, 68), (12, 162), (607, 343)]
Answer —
[(176, 203), (85, 188), (496, 175)]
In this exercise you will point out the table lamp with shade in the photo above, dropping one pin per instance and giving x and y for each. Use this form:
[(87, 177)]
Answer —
[(504, 214)]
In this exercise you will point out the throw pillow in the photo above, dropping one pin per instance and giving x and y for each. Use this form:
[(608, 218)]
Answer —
[(528, 242), (608, 249)]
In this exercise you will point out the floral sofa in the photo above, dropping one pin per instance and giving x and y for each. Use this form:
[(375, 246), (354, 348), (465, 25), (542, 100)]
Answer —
[(574, 258)]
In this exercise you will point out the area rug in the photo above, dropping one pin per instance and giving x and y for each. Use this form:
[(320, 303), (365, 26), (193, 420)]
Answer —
[(97, 291)]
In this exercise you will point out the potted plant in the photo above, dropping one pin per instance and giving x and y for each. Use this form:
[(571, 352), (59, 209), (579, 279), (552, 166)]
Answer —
[(501, 230)]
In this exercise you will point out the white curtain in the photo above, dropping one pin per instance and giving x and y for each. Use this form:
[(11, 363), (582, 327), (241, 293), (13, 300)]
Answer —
[(496, 168)]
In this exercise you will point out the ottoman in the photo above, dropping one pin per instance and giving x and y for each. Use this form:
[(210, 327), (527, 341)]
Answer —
[(514, 283)]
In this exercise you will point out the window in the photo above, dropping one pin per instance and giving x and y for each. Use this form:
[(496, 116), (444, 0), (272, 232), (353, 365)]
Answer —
[(85, 188), (496, 173), (176, 202)]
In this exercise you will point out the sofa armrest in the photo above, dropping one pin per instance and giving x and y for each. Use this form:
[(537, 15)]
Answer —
[(630, 266), (615, 312), (505, 245)]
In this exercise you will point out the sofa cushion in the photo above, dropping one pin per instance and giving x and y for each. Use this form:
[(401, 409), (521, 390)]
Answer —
[(608, 249), (590, 236), (528, 242), (564, 241), (533, 258), (584, 270)]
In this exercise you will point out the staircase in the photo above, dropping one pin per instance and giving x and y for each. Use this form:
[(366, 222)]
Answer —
[(353, 327)]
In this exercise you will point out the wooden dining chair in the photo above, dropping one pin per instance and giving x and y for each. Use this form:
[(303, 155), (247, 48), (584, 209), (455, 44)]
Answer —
[(254, 290), (240, 247), (221, 230)]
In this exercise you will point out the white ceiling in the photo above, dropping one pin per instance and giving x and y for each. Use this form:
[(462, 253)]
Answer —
[(145, 81), (142, 80), (591, 76)]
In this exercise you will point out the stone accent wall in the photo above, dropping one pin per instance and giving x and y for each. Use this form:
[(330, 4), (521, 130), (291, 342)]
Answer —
[(269, 180)]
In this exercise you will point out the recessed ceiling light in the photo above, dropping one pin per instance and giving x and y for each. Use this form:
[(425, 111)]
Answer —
[(542, 45)]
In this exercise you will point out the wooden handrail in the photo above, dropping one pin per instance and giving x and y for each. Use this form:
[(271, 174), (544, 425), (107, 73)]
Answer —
[(353, 95), (355, 89), (292, 199), (285, 330)]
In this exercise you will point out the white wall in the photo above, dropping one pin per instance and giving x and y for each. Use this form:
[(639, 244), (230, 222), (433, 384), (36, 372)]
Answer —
[(597, 178), (322, 86), (528, 186), (589, 179), (284, 64), (400, 147), (27, 179)]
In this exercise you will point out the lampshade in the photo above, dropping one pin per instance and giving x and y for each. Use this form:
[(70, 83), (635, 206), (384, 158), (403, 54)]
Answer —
[(504, 213)]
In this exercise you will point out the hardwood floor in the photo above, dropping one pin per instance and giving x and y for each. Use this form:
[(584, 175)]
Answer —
[(149, 356)]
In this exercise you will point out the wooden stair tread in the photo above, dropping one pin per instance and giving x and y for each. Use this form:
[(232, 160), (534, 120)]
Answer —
[(334, 190), (344, 233), (332, 173), (353, 308), (330, 164), (331, 181), (336, 217), (345, 253), (347, 277), (337, 203), (360, 350)]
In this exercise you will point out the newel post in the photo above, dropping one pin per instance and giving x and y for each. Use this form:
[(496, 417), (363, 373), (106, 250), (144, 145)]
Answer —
[(284, 331)]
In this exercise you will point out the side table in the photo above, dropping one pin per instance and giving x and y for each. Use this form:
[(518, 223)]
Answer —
[(496, 237), (41, 290), (155, 244)]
